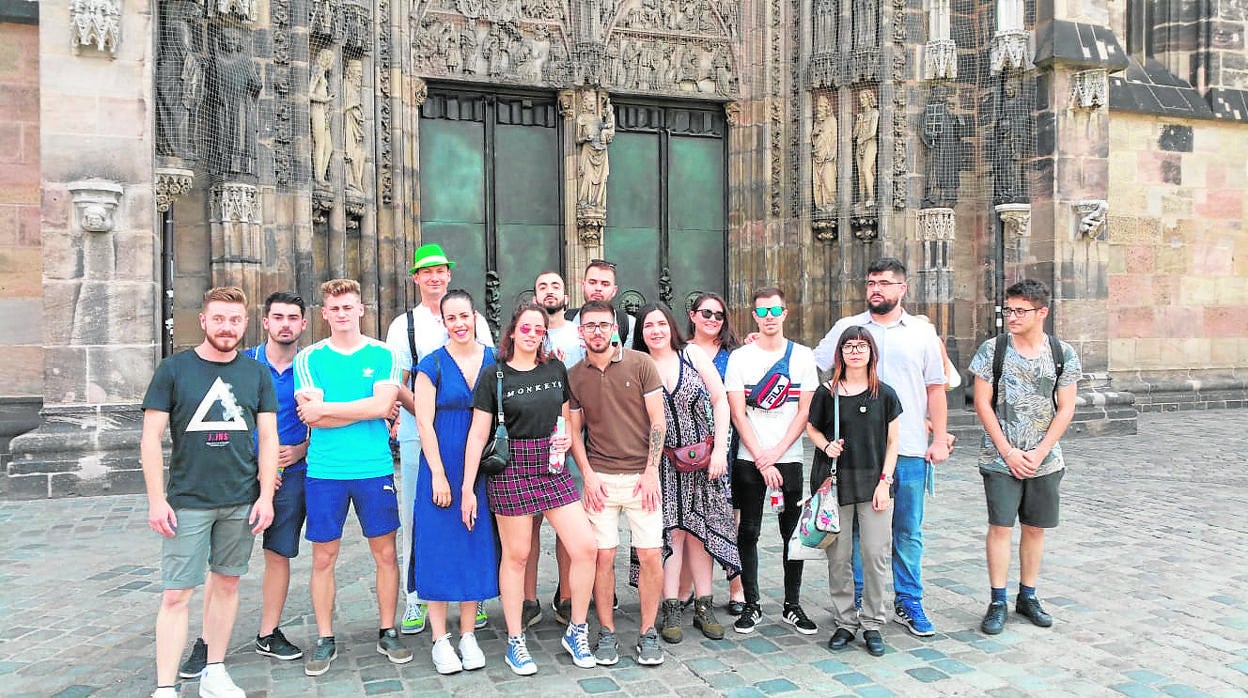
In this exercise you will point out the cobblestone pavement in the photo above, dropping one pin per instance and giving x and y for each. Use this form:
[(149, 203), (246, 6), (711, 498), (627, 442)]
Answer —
[(1147, 578)]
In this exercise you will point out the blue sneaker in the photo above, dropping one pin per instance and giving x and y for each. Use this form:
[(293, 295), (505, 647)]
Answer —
[(909, 612), (576, 642), (518, 657)]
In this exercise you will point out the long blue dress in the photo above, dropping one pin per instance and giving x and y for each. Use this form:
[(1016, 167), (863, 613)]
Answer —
[(451, 563)]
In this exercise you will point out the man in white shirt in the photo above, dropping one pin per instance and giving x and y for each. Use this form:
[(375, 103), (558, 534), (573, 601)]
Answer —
[(414, 335), (911, 363)]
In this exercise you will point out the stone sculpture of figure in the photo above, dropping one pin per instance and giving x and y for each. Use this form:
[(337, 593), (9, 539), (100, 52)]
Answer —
[(595, 127), (232, 94), (942, 134), (721, 69), (468, 49), (690, 69), (353, 123), (320, 100), (449, 49), (866, 144), (1007, 164), (938, 20), (1009, 15), (497, 51), (180, 88), (823, 139), (866, 22)]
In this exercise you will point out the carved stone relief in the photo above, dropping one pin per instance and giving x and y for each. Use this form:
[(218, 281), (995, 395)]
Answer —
[(866, 147), (901, 131), (673, 47), (95, 24), (347, 22), (498, 40), (171, 183), (243, 9), (95, 204), (234, 87), (179, 84), (283, 110), (1015, 219), (385, 144), (937, 225), (235, 202), (1091, 215), (1089, 89)]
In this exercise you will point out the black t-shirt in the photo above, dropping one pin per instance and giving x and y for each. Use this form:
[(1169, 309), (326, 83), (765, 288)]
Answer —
[(212, 413), (864, 426), (532, 400)]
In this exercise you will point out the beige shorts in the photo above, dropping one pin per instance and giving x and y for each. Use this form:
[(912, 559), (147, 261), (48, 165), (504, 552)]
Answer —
[(645, 527)]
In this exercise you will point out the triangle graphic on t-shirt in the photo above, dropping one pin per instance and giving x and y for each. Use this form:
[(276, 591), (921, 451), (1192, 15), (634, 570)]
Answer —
[(231, 413)]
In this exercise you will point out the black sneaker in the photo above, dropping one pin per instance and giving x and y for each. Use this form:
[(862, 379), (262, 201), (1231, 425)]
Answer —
[(1029, 607), (796, 617), (277, 646), (734, 607), (751, 614), (994, 619), (194, 665)]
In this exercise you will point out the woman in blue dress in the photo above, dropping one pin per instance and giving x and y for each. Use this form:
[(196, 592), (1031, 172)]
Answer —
[(450, 562)]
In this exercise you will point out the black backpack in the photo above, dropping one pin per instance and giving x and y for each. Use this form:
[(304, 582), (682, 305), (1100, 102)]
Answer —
[(998, 363)]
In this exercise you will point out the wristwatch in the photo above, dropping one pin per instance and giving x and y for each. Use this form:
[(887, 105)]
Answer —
[(886, 479)]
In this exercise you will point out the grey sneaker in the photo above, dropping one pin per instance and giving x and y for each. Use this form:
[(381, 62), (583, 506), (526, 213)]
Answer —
[(648, 651), (531, 614), (563, 612), (322, 655), (608, 651), (389, 645)]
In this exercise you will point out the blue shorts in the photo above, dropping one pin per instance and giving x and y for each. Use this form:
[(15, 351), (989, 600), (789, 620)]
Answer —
[(374, 498), (289, 511)]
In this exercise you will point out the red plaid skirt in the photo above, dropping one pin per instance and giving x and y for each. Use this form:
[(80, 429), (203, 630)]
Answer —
[(527, 486)]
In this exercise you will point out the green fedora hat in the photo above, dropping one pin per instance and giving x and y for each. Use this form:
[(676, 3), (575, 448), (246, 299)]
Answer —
[(430, 255)]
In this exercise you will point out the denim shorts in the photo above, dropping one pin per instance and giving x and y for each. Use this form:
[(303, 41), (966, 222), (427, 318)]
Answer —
[(376, 507), (289, 511)]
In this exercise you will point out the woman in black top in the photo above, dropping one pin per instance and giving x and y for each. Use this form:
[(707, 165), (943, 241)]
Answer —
[(865, 458)]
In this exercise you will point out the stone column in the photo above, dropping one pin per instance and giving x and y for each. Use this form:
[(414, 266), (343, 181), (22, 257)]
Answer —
[(101, 319), (1074, 51)]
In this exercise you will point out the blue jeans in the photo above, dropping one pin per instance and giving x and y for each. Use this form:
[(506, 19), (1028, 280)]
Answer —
[(909, 486)]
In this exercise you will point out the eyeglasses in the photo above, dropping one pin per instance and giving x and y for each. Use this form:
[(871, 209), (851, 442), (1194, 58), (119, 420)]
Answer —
[(883, 285), (856, 348), (711, 314), (775, 310), (1018, 312), (535, 329), (597, 327), (601, 263)]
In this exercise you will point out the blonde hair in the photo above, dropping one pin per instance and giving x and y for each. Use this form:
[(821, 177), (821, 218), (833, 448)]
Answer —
[(340, 287), (224, 294)]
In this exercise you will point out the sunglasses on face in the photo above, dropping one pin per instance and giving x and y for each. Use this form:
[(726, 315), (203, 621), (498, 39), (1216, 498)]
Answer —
[(775, 310), (535, 329), (711, 314)]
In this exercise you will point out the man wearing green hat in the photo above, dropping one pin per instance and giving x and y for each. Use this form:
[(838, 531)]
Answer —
[(413, 335)]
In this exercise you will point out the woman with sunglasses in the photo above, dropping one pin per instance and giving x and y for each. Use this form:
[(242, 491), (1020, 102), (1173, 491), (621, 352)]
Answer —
[(866, 456), (443, 398), (535, 396), (710, 329), (697, 519)]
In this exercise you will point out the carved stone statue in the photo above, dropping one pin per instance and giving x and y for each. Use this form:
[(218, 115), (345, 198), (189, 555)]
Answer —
[(866, 22), (1008, 133), (353, 123), (468, 49), (942, 133), (180, 88), (449, 47), (721, 69), (595, 127), (320, 100), (234, 88), (823, 137), (866, 145), (690, 69)]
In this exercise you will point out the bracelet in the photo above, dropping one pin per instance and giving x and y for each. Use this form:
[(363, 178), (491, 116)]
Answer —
[(825, 449)]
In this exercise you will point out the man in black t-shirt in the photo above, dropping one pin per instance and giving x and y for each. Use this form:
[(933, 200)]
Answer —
[(598, 284), (220, 489)]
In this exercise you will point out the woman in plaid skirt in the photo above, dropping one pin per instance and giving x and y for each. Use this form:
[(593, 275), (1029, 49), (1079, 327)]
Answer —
[(535, 395)]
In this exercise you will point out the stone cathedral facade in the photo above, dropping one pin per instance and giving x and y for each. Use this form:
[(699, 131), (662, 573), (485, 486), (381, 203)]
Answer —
[(151, 150)]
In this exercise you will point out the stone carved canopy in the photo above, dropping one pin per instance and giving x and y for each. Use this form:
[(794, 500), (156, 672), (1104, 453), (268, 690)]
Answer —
[(95, 23)]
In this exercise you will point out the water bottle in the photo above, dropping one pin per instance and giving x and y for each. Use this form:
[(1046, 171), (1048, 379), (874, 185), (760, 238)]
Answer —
[(555, 464), (775, 497)]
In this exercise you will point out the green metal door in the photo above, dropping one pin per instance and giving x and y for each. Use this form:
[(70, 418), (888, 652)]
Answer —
[(489, 190), (665, 203)]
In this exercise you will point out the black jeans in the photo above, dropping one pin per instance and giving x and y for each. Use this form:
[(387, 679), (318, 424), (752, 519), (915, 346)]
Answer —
[(749, 492)]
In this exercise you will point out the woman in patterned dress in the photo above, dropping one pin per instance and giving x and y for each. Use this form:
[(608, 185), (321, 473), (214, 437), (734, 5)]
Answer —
[(697, 518), (535, 395)]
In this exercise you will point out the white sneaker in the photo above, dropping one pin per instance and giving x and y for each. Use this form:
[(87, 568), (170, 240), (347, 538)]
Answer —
[(473, 657), (165, 692), (216, 683), (444, 658)]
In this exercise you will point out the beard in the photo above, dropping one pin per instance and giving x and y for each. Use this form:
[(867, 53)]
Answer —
[(555, 309), (294, 339), (223, 343), (882, 308)]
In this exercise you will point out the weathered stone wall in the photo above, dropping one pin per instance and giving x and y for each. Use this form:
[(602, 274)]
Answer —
[(1178, 265)]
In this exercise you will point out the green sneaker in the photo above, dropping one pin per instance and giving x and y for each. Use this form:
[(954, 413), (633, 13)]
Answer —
[(389, 645), (414, 617), (482, 619), (322, 655)]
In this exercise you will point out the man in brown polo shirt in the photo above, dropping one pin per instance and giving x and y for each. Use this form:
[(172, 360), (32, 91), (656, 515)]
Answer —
[(617, 399)]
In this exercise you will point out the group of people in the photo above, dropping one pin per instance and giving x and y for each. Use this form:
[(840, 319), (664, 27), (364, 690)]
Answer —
[(691, 434)]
